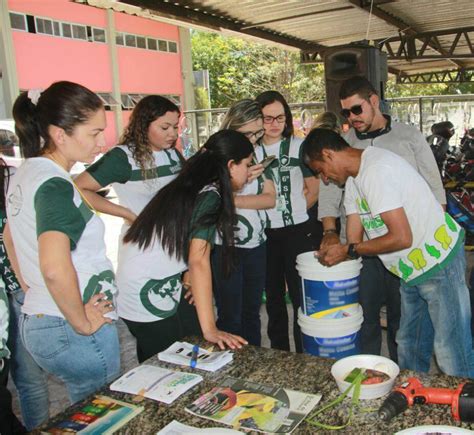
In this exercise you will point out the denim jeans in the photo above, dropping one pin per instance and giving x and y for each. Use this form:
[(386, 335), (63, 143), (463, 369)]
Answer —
[(239, 295), (28, 377), (378, 287), (83, 363), (437, 313)]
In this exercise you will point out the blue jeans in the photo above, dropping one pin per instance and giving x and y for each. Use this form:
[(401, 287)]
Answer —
[(437, 313), (28, 377), (83, 362), (239, 295)]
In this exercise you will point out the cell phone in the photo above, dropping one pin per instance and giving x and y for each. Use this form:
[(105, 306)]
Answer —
[(267, 160)]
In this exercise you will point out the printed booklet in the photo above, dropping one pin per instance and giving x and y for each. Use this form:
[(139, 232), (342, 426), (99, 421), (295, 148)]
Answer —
[(248, 405), (102, 415), (181, 353), (156, 383)]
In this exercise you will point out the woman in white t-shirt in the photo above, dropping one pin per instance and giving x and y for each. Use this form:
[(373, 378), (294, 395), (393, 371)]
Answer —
[(176, 231), (239, 294), (55, 240), (144, 161), (290, 229)]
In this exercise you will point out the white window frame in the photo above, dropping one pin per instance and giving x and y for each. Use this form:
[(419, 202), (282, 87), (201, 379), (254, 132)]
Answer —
[(24, 21), (93, 35), (44, 19), (107, 99)]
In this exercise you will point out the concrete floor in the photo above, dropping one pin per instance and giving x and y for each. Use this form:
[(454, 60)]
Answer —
[(57, 392)]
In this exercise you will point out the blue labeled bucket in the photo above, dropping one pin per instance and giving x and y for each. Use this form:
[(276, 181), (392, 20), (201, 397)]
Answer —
[(327, 290), (331, 338)]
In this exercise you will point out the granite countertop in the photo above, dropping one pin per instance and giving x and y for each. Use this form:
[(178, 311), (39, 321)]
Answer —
[(289, 370)]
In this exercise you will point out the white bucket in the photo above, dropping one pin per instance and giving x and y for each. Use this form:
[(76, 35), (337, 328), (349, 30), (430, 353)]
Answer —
[(333, 338), (326, 290)]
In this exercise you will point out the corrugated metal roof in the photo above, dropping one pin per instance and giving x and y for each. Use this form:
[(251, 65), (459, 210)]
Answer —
[(318, 24)]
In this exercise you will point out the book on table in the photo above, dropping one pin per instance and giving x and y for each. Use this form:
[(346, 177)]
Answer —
[(249, 405), (101, 415), (181, 353), (156, 383)]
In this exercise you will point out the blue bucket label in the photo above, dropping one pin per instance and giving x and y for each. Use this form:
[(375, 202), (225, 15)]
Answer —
[(324, 295), (336, 347)]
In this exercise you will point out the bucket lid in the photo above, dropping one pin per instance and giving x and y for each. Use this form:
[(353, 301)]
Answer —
[(312, 322), (307, 259)]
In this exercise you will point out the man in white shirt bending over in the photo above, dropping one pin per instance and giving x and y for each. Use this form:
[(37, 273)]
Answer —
[(415, 239)]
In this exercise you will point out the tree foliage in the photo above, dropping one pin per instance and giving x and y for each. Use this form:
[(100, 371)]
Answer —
[(240, 68)]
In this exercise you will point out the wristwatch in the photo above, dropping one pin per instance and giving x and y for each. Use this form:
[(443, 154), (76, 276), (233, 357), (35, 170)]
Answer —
[(352, 252)]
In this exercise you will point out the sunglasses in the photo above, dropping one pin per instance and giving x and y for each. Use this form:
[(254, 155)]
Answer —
[(356, 110)]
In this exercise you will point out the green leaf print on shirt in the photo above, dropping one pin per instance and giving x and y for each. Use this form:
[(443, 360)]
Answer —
[(363, 206), (405, 269), (103, 282), (450, 223), (161, 296), (433, 251), (442, 236), (417, 258)]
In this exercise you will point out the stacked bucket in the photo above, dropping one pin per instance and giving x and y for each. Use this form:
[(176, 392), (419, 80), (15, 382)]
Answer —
[(330, 316)]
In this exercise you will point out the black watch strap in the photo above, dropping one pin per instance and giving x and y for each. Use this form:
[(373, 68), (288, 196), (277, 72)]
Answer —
[(352, 252)]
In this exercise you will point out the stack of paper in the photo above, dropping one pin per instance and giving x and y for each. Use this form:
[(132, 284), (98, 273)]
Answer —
[(156, 383), (181, 353)]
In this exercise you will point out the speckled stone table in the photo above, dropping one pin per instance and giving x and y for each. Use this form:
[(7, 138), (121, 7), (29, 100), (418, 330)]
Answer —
[(298, 372)]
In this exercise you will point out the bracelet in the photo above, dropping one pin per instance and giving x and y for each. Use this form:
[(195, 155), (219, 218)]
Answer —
[(330, 231)]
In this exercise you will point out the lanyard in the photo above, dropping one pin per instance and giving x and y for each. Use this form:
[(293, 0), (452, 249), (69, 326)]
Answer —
[(283, 181)]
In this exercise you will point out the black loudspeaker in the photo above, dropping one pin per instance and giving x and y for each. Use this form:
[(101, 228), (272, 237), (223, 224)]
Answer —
[(343, 62)]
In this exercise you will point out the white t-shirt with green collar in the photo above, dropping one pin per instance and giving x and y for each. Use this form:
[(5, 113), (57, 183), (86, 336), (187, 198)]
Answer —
[(41, 197), (134, 189), (288, 173), (387, 182)]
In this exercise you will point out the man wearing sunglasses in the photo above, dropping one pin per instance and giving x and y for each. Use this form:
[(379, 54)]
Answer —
[(370, 128), (414, 238)]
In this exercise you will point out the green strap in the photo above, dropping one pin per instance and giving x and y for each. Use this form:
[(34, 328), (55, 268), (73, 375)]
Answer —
[(356, 383)]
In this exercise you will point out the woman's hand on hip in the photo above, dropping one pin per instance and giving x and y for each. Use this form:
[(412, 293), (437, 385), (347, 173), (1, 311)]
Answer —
[(95, 309)]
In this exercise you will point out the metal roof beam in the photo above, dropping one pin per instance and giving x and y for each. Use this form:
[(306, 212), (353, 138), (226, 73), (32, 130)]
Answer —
[(408, 50), (195, 14), (453, 76), (401, 25)]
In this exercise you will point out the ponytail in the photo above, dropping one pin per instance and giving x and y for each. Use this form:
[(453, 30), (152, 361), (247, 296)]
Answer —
[(26, 126)]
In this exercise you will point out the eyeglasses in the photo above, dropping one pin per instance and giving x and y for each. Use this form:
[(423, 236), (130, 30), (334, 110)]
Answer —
[(270, 119), (356, 110), (256, 134)]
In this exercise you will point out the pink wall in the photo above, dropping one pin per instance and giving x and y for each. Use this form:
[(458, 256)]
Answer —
[(149, 72), (43, 59)]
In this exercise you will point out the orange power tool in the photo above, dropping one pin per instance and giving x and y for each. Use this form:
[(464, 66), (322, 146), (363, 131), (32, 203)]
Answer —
[(413, 392)]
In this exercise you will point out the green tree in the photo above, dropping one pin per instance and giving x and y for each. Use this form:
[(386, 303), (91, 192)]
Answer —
[(240, 68)]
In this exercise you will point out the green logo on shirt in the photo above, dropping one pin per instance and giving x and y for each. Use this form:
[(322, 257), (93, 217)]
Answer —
[(104, 282), (161, 296)]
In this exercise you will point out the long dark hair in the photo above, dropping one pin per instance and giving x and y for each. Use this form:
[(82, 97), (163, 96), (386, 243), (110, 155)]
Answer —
[(63, 104), (4, 180), (269, 97), (135, 136), (168, 215)]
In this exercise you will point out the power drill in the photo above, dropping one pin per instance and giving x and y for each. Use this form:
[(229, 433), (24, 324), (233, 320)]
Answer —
[(412, 392)]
